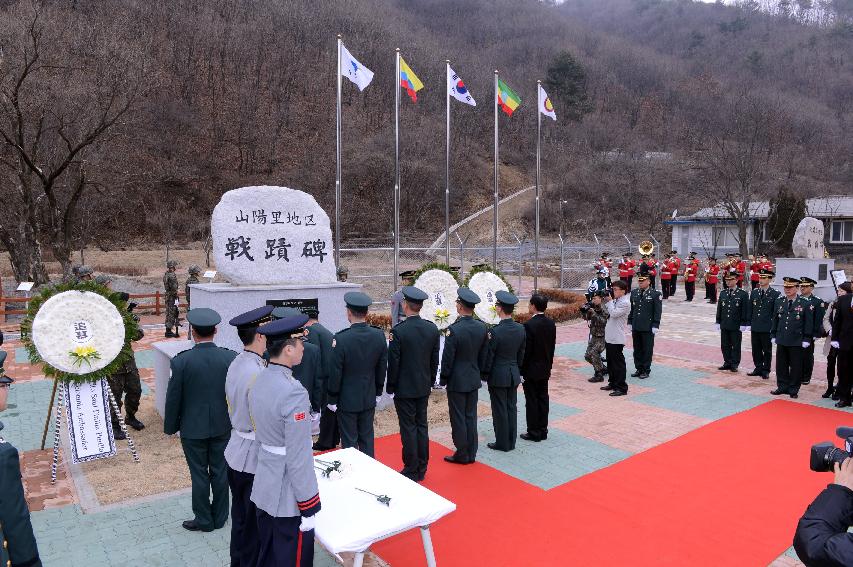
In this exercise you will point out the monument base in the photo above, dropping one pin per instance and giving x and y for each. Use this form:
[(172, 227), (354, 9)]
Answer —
[(231, 300), (815, 268)]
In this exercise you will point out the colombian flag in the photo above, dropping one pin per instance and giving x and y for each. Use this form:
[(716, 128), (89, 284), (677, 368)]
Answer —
[(409, 81), (507, 99)]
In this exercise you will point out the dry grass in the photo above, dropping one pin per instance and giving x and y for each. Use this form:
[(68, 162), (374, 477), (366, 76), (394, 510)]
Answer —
[(162, 467)]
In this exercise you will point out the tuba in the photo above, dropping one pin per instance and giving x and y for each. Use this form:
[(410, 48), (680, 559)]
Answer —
[(646, 247)]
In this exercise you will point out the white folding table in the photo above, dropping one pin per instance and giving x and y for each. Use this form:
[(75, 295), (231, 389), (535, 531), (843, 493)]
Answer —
[(352, 521)]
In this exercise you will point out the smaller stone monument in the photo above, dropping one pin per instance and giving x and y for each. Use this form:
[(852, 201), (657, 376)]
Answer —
[(808, 261)]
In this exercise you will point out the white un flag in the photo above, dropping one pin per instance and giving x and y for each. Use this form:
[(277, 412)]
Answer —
[(353, 70), (457, 88)]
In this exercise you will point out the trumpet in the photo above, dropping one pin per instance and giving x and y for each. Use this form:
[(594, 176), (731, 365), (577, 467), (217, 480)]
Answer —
[(646, 247)]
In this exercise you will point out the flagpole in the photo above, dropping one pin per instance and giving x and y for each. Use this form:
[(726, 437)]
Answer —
[(397, 172), (338, 165), (447, 171), (538, 176), (495, 216)]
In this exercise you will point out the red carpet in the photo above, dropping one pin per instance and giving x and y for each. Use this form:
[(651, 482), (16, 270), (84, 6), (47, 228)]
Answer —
[(729, 493)]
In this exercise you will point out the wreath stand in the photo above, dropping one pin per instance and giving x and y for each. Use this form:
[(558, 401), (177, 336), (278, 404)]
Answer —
[(58, 425)]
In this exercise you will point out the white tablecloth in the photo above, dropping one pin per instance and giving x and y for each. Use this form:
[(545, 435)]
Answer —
[(351, 521)]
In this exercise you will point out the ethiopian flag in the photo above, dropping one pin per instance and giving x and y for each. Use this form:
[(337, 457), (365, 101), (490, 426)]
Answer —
[(507, 99), (409, 81)]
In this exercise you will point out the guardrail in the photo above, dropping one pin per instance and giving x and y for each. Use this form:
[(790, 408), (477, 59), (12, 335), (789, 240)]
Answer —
[(158, 306)]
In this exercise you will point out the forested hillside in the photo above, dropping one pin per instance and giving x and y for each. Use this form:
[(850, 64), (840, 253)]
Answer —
[(124, 120)]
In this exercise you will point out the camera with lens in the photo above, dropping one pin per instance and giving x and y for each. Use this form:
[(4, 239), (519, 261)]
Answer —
[(824, 455), (586, 307)]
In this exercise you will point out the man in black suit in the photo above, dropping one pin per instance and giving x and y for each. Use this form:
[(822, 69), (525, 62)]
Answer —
[(842, 339), (536, 368)]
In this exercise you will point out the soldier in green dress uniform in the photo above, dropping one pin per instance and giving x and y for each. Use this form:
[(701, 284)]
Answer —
[(170, 285), (19, 548), (196, 406), (761, 303), (732, 320), (819, 307), (793, 325), (644, 321), (412, 366), (320, 336), (461, 362), (357, 376), (502, 368)]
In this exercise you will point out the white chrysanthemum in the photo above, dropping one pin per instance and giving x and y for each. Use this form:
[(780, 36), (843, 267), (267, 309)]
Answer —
[(486, 284), (74, 319), (440, 307)]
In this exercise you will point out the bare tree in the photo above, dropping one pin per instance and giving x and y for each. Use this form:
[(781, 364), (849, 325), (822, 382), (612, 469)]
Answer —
[(736, 156), (59, 98)]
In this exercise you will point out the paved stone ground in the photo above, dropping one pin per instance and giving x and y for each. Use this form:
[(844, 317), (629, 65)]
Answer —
[(588, 431)]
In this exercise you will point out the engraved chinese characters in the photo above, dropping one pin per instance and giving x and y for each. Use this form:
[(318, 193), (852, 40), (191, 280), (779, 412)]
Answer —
[(808, 239), (272, 235)]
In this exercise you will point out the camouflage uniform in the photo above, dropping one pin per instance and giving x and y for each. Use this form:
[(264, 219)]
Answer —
[(194, 271), (126, 381), (597, 317), (170, 283)]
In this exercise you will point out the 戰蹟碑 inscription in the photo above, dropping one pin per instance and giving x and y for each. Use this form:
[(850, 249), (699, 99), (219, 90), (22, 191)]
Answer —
[(272, 235)]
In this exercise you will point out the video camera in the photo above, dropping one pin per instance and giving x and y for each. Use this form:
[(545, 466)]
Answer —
[(824, 455)]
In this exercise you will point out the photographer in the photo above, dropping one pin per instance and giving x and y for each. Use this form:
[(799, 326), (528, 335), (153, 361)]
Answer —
[(594, 312), (821, 539), (618, 306)]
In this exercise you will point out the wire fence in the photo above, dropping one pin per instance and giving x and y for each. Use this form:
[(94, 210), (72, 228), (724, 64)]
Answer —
[(565, 263)]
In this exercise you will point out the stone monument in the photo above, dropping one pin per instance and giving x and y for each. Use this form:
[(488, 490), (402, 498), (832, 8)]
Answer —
[(808, 260), (274, 246)]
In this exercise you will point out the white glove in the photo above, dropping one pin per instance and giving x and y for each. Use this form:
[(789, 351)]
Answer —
[(522, 379), (717, 326), (773, 341), (308, 522), (835, 344), (655, 330), (806, 344), (332, 407), (744, 328), (378, 399)]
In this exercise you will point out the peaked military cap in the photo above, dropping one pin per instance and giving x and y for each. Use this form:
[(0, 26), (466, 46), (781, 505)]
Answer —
[(285, 312), (407, 274), (765, 273), (203, 317), (411, 293), (730, 275), (468, 297), (711, 259), (641, 277), (506, 297), (357, 300), (253, 318), (287, 328), (790, 282), (807, 281)]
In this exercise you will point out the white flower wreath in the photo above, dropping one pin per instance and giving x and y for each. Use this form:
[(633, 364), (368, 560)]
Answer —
[(78, 332), (485, 284), (440, 307)]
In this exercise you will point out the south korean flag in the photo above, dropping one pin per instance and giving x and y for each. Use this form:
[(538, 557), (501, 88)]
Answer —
[(457, 88)]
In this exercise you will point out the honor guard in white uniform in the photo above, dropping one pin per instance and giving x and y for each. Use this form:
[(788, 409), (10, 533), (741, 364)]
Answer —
[(285, 488), (241, 453)]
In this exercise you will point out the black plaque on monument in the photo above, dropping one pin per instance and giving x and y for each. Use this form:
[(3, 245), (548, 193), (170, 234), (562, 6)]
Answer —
[(300, 304)]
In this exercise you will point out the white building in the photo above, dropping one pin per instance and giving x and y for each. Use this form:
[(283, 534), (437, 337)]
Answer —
[(712, 231)]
